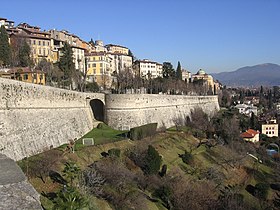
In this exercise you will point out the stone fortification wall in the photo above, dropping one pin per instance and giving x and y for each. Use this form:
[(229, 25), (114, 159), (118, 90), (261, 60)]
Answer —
[(34, 118), (127, 111)]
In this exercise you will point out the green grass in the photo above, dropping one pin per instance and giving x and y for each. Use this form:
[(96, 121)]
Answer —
[(104, 134)]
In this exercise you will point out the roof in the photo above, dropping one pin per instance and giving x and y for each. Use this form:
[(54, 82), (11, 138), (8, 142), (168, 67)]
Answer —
[(114, 45), (249, 133), (147, 61), (24, 70), (201, 72), (95, 53)]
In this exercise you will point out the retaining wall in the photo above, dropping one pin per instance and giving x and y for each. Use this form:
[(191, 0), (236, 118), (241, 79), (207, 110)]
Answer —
[(126, 111), (34, 118)]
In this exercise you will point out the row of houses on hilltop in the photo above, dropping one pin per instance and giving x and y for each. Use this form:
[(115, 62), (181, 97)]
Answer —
[(100, 62)]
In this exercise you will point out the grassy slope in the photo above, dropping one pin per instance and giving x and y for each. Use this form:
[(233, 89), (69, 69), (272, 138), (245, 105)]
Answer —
[(169, 145)]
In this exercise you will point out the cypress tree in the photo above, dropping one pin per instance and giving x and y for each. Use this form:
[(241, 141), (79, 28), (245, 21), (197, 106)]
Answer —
[(152, 161), (24, 54), (5, 49), (179, 71), (66, 63)]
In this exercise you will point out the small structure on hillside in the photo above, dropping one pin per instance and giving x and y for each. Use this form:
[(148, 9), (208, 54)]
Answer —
[(270, 128), (247, 109), (251, 135)]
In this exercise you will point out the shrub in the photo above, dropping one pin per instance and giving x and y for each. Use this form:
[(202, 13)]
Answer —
[(261, 190), (114, 152), (187, 157), (143, 131), (102, 126), (152, 161)]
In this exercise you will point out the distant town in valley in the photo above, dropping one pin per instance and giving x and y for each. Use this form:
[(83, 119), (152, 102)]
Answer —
[(92, 126)]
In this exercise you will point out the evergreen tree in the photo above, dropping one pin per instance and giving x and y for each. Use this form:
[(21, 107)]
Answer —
[(5, 49), (152, 161), (167, 70), (24, 54), (66, 63), (179, 71)]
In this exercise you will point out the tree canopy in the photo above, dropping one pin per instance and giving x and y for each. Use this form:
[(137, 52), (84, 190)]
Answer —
[(168, 70), (179, 71), (5, 49), (66, 63)]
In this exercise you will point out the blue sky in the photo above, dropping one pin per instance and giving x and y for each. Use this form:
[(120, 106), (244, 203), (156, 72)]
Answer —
[(216, 35)]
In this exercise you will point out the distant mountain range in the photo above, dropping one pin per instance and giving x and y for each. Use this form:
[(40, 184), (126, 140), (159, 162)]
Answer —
[(267, 74)]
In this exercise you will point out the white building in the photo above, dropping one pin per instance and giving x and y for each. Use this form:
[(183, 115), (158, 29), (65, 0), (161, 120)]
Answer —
[(186, 75), (270, 128), (148, 69), (7, 23), (247, 109), (120, 62)]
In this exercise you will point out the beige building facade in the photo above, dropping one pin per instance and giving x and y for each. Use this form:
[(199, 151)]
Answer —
[(270, 128)]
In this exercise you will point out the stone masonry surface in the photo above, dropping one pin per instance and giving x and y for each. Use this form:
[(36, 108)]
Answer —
[(34, 118), (15, 192), (127, 111)]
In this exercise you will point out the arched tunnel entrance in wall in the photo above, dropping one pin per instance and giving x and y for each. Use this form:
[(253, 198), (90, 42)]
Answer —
[(97, 107)]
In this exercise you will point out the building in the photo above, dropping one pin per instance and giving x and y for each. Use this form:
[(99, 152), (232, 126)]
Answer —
[(79, 47), (26, 74), (98, 68), (186, 75), (119, 62), (270, 128), (247, 109), (251, 135), (148, 69), (117, 49), (39, 41), (6, 23)]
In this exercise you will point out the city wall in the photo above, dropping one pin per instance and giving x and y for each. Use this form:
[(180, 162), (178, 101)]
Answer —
[(35, 118), (126, 111)]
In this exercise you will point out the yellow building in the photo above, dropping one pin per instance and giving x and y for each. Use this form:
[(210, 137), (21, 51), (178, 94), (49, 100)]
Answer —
[(98, 68), (27, 75), (208, 79), (39, 41)]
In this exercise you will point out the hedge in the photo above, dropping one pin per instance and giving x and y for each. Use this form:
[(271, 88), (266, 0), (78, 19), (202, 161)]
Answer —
[(143, 131)]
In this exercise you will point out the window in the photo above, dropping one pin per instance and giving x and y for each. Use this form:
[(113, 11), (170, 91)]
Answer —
[(88, 65), (94, 71), (40, 52), (34, 42), (41, 76), (25, 76), (39, 42), (101, 64), (43, 43), (94, 65)]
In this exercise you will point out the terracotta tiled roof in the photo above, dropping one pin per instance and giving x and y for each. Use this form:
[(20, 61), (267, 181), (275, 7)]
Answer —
[(24, 70), (249, 133)]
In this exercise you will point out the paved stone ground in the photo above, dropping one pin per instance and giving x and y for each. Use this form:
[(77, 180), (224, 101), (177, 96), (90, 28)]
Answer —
[(15, 192)]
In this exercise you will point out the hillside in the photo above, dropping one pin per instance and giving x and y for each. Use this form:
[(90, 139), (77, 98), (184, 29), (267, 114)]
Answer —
[(251, 76), (209, 176)]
